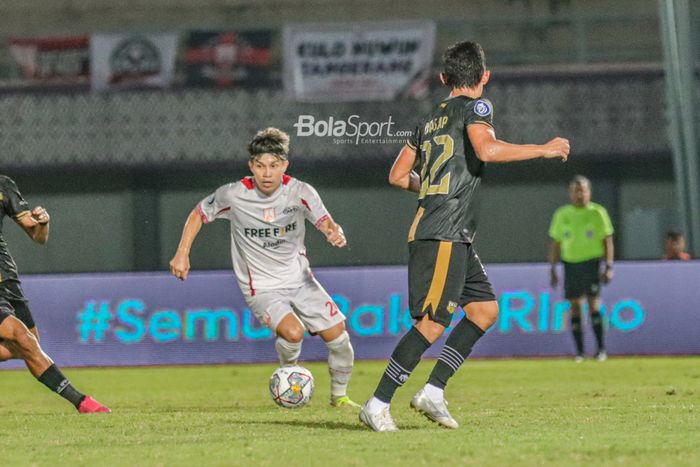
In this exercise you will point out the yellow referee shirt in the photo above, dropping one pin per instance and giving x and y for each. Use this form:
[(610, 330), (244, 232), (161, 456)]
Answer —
[(581, 231)]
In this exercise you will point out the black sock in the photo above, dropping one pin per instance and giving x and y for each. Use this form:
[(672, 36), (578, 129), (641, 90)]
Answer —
[(597, 322), (403, 361), (53, 379), (456, 350), (578, 333)]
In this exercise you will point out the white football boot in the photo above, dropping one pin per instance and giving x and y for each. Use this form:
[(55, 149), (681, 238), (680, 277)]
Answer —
[(435, 411), (378, 421)]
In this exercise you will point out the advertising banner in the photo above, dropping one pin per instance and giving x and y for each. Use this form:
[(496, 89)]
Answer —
[(154, 319), (52, 60), (357, 62), (230, 58), (132, 60)]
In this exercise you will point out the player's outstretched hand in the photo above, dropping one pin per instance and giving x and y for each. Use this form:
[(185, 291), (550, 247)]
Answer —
[(40, 215), (558, 148), (180, 266), (336, 236)]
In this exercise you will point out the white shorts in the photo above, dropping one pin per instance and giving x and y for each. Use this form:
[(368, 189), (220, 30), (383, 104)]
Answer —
[(311, 303)]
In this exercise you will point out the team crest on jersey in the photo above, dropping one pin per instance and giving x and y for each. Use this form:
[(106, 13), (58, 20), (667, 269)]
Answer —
[(451, 307), (482, 108), (269, 214)]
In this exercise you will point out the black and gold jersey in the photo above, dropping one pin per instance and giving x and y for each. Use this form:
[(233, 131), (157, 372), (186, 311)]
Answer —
[(11, 205), (450, 172)]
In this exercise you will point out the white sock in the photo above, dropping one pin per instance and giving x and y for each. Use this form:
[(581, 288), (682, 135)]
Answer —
[(340, 359), (288, 352), (434, 393), (375, 405)]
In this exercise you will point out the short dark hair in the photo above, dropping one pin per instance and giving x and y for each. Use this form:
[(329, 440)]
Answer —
[(464, 64), (580, 180), (269, 141), (673, 235)]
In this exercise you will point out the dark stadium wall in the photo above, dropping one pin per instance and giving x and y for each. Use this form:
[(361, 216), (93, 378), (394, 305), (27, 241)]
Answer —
[(118, 221)]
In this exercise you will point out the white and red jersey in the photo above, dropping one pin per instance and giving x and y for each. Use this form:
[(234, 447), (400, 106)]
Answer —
[(267, 232)]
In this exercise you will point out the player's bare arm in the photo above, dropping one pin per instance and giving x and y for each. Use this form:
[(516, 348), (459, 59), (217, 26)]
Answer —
[(180, 264), (607, 274), (402, 174), (36, 224), (490, 149), (554, 257), (333, 232)]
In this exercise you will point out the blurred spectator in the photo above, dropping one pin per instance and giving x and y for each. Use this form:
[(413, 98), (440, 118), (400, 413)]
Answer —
[(674, 247)]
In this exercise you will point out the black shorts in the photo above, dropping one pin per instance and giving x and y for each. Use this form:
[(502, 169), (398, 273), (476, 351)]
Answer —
[(12, 302), (442, 276), (582, 279)]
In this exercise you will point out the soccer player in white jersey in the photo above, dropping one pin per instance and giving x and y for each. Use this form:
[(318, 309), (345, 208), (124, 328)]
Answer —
[(267, 213)]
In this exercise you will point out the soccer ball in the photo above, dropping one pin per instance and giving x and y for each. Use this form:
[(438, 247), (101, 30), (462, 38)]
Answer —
[(291, 387)]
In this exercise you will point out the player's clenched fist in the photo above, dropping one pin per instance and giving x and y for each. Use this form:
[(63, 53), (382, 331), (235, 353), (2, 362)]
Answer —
[(180, 266), (557, 148), (336, 236), (40, 215)]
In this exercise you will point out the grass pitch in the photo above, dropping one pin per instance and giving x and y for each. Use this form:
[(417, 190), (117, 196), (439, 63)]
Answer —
[(626, 411)]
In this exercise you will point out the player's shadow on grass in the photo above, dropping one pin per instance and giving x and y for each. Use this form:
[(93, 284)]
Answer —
[(310, 424), (326, 425)]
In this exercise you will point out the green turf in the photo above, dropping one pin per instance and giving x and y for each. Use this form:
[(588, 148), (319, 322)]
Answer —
[(627, 411)]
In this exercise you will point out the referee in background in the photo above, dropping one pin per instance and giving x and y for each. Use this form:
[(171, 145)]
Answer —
[(581, 234)]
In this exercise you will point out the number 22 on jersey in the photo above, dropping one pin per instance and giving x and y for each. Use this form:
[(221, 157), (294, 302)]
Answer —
[(428, 185)]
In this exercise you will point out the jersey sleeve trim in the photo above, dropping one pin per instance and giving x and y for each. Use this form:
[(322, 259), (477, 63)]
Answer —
[(321, 220), (410, 145), (201, 213), (22, 214), (480, 122)]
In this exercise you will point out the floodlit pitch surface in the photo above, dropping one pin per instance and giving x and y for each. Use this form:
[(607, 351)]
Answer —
[(626, 411)]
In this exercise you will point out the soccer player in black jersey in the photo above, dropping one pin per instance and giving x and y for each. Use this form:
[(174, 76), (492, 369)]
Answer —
[(19, 337), (443, 163)]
